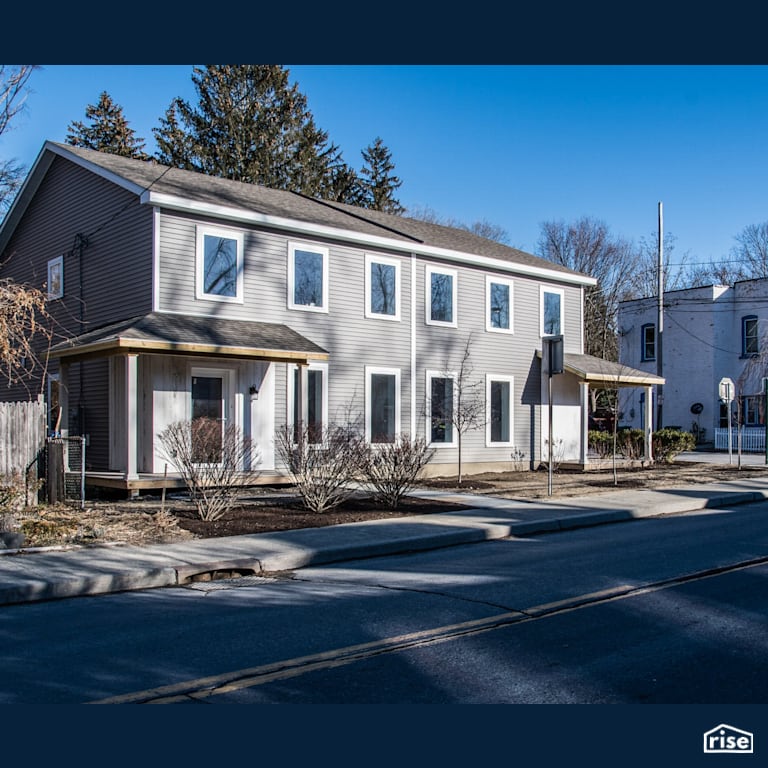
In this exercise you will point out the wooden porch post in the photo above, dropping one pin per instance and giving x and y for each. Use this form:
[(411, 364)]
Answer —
[(63, 399), (584, 399), (131, 416), (648, 424)]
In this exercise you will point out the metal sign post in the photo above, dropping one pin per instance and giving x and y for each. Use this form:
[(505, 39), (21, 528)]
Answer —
[(554, 366), (726, 391)]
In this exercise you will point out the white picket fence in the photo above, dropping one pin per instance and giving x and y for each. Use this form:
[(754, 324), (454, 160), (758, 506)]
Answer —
[(752, 439)]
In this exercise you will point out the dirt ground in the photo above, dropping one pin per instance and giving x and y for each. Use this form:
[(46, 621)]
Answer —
[(263, 509)]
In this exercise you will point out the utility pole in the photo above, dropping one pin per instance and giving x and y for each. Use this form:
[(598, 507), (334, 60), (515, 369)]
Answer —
[(660, 326)]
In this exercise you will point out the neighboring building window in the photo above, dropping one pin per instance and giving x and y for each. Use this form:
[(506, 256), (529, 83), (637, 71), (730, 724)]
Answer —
[(499, 391), (551, 311), (498, 301), (648, 342), (440, 405), (307, 277), (751, 408), (314, 388), (750, 343), (382, 404), (56, 278), (382, 288), (441, 296), (219, 264)]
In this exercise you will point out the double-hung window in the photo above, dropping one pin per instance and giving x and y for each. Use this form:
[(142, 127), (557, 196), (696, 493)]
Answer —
[(648, 342), (308, 400), (440, 298), (551, 309), (382, 404), (498, 398), (307, 277), (382, 287), (219, 264), (441, 390), (498, 304), (750, 343)]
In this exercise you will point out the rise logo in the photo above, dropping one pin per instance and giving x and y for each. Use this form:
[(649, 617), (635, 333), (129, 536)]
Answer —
[(725, 739)]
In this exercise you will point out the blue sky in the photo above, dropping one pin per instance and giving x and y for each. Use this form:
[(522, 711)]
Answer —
[(515, 145)]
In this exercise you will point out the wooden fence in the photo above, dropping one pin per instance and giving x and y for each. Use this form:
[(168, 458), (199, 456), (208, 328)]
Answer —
[(22, 439)]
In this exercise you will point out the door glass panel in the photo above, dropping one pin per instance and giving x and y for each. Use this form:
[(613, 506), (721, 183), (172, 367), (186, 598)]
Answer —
[(207, 403)]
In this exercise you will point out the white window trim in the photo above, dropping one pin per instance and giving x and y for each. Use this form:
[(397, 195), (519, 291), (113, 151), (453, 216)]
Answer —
[(429, 271), (289, 417), (428, 393), (489, 280), (323, 251), (489, 378), (370, 260), (229, 234), (548, 289), (369, 372), (52, 264)]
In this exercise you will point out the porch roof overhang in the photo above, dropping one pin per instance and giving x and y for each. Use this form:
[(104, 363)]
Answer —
[(171, 334), (599, 372)]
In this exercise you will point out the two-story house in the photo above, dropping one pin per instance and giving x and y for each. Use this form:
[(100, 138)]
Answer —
[(178, 294), (710, 333)]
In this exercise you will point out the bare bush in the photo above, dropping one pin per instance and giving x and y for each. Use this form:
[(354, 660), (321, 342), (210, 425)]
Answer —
[(211, 461), (324, 463), (393, 468)]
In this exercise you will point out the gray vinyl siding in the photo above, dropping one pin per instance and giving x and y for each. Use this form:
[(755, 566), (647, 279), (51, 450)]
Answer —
[(116, 267), (352, 340)]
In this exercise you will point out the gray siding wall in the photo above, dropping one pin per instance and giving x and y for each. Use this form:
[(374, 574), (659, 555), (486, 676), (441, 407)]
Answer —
[(116, 269), (355, 341)]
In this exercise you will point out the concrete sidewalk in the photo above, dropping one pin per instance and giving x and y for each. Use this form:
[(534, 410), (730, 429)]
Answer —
[(29, 576)]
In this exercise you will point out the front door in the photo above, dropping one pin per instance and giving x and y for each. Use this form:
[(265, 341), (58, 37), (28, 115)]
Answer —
[(208, 404)]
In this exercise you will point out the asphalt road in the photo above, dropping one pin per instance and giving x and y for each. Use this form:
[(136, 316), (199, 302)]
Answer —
[(668, 610)]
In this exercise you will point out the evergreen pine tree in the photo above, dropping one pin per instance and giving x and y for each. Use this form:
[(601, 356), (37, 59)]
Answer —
[(378, 182), (107, 131), (250, 125)]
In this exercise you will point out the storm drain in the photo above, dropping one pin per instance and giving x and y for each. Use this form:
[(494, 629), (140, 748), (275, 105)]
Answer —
[(191, 574)]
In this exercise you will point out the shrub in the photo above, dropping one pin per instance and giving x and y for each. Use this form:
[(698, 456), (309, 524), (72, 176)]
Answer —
[(668, 443), (324, 463), (393, 468), (630, 443), (600, 442), (210, 460)]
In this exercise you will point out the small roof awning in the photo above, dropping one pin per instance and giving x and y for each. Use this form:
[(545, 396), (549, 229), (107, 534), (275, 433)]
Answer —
[(606, 373), (159, 333)]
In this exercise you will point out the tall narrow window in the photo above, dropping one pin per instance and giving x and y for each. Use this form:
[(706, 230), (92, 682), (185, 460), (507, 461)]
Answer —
[(750, 343), (307, 277), (311, 383), (382, 288), (499, 410), (648, 342), (440, 405), (219, 265), (441, 296), (56, 278), (551, 311), (498, 300), (208, 403), (382, 406)]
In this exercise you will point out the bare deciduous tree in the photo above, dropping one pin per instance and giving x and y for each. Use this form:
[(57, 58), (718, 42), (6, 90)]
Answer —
[(211, 461)]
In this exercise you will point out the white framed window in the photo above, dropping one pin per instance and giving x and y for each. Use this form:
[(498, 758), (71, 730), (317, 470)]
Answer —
[(498, 304), (551, 306), (56, 278), (441, 398), (382, 404), (382, 287), (440, 286), (307, 277), (499, 394), (219, 264), (312, 381)]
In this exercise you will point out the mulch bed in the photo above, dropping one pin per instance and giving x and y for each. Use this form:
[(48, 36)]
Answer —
[(268, 515)]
